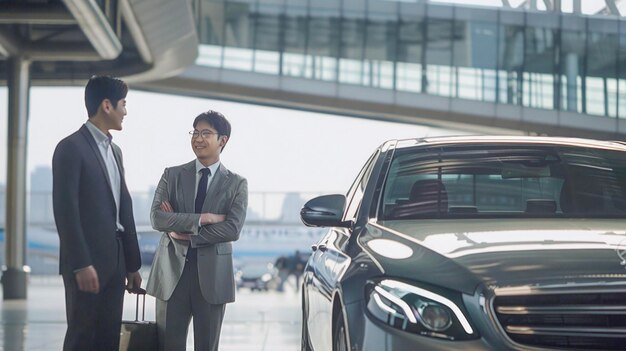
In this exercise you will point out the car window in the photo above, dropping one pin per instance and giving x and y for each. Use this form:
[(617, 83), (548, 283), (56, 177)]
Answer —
[(505, 181), (355, 194)]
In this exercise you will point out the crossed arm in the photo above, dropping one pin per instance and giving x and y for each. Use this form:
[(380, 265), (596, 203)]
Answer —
[(230, 228), (200, 228), (205, 218)]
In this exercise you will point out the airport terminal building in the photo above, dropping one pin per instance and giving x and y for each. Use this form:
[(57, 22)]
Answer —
[(516, 67)]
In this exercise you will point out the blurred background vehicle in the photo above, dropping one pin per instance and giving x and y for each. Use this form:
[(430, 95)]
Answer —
[(291, 266), (257, 277)]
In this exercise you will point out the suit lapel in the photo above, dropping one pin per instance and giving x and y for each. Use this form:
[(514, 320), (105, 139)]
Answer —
[(188, 182), (118, 160), (96, 151), (217, 184)]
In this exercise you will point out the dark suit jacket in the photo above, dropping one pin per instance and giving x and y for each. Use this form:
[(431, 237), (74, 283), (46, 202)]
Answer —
[(84, 208)]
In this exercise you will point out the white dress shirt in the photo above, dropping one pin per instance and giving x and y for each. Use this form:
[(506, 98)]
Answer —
[(106, 150), (200, 166)]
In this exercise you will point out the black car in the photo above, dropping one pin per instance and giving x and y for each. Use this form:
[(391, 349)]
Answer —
[(481, 243)]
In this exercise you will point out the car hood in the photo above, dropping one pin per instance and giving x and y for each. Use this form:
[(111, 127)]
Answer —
[(508, 252)]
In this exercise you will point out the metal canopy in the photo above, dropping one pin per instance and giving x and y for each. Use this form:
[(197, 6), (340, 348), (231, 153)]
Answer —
[(67, 41), (56, 42)]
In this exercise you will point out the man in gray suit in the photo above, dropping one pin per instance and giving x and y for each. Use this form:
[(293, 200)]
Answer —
[(201, 207)]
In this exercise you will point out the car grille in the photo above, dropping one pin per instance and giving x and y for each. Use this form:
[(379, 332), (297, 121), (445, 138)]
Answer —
[(589, 321)]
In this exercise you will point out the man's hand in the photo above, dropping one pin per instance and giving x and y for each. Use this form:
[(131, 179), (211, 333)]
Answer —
[(87, 279), (133, 281), (211, 218), (166, 206), (179, 236)]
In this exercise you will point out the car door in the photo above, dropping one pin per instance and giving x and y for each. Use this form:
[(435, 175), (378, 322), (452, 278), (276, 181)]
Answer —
[(325, 269), (320, 289)]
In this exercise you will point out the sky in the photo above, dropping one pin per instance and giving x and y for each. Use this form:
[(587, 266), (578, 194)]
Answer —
[(277, 150)]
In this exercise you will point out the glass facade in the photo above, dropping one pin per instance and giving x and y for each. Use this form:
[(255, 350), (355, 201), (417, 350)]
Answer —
[(555, 61)]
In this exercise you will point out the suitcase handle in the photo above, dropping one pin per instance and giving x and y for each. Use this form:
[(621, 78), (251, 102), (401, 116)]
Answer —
[(142, 292)]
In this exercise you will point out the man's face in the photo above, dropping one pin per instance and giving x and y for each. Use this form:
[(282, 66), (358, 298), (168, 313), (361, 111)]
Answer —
[(207, 144), (115, 114)]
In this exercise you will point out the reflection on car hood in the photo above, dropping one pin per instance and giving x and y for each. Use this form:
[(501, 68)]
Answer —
[(510, 252)]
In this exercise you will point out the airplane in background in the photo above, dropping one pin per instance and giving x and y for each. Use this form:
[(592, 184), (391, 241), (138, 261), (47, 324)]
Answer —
[(273, 228), (258, 243)]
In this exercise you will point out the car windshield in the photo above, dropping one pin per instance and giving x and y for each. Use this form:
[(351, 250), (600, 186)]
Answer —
[(505, 181)]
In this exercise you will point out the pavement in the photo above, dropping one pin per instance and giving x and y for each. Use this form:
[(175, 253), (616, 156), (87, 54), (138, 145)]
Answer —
[(257, 321)]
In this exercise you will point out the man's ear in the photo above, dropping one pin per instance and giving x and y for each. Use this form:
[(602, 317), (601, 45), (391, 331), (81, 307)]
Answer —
[(223, 140), (106, 105)]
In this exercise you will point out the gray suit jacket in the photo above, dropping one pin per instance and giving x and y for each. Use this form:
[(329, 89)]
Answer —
[(228, 195)]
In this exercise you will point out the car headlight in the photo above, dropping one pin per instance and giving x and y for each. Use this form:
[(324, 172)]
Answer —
[(266, 277), (434, 317), (417, 310)]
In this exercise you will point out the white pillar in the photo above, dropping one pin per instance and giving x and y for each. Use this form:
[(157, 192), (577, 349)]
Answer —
[(15, 272)]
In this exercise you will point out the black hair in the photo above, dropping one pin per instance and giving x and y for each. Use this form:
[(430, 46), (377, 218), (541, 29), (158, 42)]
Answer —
[(215, 120), (100, 88)]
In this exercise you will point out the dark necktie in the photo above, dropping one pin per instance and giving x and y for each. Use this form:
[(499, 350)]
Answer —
[(201, 194)]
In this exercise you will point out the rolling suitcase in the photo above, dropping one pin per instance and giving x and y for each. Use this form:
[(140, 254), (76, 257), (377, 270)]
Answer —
[(139, 335)]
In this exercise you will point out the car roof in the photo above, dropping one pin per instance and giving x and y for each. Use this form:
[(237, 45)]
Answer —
[(505, 139)]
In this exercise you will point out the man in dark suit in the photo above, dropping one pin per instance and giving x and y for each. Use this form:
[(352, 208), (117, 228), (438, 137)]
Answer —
[(200, 207), (94, 219)]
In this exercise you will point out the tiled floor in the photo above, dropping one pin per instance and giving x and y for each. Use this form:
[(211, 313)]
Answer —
[(255, 322)]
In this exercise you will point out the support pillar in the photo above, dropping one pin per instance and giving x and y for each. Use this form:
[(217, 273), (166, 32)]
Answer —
[(15, 271), (577, 7), (571, 74)]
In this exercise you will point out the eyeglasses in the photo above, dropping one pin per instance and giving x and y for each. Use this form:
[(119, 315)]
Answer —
[(205, 133)]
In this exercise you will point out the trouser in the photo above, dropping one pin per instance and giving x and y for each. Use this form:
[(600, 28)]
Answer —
[(173, 316), (94, 320)]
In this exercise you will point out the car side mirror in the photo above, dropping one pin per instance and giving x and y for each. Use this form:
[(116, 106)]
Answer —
[(324, 211)]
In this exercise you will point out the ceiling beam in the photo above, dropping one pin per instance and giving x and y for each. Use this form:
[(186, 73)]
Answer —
[(23, 13), (611, 7), (47, 51), (9, 45), (96, 27), (136, 31)]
